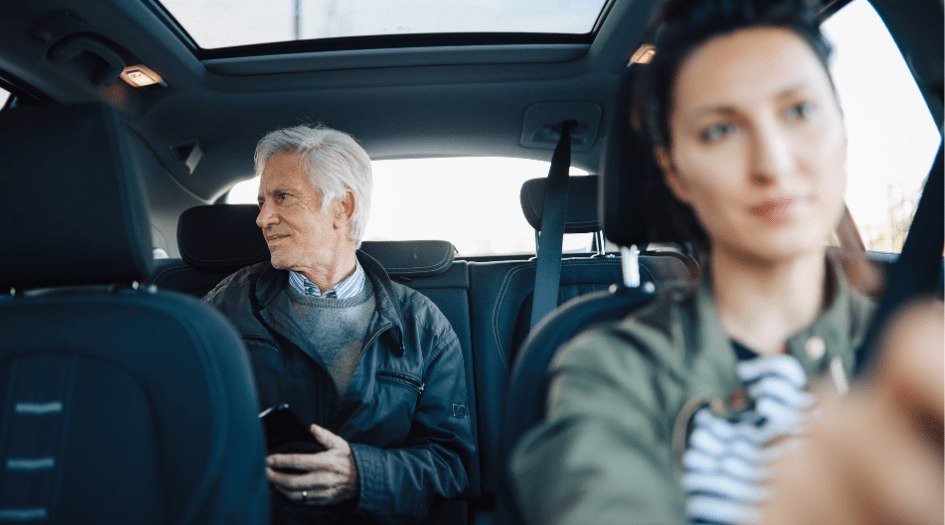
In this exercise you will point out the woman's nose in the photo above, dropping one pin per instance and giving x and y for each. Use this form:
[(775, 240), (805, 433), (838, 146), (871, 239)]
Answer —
[(773, 156)]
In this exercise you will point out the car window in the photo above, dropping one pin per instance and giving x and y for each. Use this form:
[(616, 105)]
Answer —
[(4, 96), (472, 202), (221, 23), (892, 136)]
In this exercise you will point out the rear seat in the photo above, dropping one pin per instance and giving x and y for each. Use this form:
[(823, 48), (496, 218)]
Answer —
[(500, 308), (215, 241), (488, 304)]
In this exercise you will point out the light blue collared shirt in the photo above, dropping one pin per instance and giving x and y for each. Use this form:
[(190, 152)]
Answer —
[(350, 287)]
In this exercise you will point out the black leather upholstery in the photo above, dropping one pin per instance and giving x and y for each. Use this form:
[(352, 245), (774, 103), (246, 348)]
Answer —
[(499, 305), (627, 174), (71, 217), (119, 404), (581, 216), (223, 239)]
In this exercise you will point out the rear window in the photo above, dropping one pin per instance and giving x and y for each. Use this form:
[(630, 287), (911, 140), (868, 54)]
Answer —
[(471, 202)]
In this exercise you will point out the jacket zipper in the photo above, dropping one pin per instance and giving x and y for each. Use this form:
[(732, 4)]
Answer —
[(402, 379), (380, 331), (263, 339)]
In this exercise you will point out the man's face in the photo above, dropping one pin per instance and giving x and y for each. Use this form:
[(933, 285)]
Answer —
[(299, 235)]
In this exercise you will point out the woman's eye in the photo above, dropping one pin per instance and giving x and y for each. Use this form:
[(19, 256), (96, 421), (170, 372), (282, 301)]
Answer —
[(801, 111), (717, 132)]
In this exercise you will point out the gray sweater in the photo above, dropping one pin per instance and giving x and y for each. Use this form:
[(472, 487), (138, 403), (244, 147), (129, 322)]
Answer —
[(337, 327)]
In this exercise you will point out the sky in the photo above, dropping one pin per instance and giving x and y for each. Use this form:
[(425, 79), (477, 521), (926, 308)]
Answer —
[(220, 23), (474, 202)]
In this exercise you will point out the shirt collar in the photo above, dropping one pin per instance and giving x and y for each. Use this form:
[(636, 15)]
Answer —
[(346, 289)]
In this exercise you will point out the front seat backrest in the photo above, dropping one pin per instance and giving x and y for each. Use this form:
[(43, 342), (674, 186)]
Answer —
[(120, 403)]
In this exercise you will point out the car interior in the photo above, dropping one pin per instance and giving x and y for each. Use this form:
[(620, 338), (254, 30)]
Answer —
[(127, 399)]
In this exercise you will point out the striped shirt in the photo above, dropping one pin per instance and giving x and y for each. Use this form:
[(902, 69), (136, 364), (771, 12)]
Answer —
[(346, 289), (728, 460)]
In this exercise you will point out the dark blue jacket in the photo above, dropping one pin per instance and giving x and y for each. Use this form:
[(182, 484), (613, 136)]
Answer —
[(404, 413)]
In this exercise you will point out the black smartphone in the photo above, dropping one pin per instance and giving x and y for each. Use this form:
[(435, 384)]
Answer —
[(286, 434)]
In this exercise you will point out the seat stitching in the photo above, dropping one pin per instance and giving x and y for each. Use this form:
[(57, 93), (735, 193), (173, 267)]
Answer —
[(169, 270), (498, 307), (503, 290), (418, 269)]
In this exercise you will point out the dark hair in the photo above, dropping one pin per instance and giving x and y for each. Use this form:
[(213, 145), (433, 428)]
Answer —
[(682, 26), (679, 28)]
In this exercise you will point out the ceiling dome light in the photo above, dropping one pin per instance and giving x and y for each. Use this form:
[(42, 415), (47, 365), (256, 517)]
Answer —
[(141, 76), (644, 54)]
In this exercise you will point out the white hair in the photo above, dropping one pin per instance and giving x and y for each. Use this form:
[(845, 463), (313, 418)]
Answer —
[(335, 162)]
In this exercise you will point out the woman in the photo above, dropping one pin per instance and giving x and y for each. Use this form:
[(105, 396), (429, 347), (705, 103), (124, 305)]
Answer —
[(678, 414)]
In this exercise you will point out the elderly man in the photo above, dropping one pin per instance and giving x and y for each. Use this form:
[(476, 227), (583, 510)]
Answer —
[(374, 366)]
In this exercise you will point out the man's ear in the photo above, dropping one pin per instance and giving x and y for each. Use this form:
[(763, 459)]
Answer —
[(670, 173), (344, 209)]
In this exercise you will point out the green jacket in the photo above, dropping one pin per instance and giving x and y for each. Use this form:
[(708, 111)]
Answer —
[(621, 398)]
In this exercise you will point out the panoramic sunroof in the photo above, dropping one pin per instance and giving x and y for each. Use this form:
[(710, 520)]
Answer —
[(225, 23)]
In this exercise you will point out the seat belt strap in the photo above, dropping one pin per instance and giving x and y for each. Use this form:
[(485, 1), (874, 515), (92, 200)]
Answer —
[(553, 215), (918, 267)]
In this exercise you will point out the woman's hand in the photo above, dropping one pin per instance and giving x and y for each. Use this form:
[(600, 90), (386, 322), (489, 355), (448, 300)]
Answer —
[(330, 476), (875, 456)]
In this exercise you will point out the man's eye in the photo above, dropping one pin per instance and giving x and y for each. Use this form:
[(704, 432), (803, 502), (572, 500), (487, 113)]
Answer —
[(716, 132), (283, 196), (801, 111)]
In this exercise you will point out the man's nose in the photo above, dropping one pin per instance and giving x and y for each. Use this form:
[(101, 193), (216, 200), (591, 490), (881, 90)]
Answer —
[(266, 215), (773, 155)]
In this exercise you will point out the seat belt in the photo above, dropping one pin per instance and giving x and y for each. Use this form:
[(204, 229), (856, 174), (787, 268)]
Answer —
[(916, 272), (553, 215)]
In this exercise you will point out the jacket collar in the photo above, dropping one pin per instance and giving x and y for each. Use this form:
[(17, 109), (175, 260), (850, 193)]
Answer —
[(272, 282), (387, 303), (837, 327)]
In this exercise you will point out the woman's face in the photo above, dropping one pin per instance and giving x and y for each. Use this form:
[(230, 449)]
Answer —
[(758, 144)]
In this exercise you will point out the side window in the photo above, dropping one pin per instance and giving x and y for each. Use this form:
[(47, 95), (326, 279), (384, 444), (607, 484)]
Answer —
[(892, 136), (4, 96)]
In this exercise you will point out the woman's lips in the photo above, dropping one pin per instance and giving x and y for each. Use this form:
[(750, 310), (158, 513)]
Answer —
[(773, 211)]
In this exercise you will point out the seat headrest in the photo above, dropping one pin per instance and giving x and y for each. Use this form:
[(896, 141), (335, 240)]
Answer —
[(226, 238), (627, 172), (223, 238), (581, 216), (74, 209)]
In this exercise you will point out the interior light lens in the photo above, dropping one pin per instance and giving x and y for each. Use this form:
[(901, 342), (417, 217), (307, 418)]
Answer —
[(141, 76), (643, 55)]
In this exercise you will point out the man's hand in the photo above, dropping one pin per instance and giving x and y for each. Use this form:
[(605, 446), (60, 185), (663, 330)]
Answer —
[(331, 476)]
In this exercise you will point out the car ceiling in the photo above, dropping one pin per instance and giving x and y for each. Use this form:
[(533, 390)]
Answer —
[(399, 103)]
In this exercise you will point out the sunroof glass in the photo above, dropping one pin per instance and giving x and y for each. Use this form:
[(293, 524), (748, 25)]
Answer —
[(225, 23)]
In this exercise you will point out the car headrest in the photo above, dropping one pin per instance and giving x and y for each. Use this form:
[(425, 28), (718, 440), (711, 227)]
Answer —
[(581, 216), (74, 209), (226, 238), (626, 172), (223, 238)]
